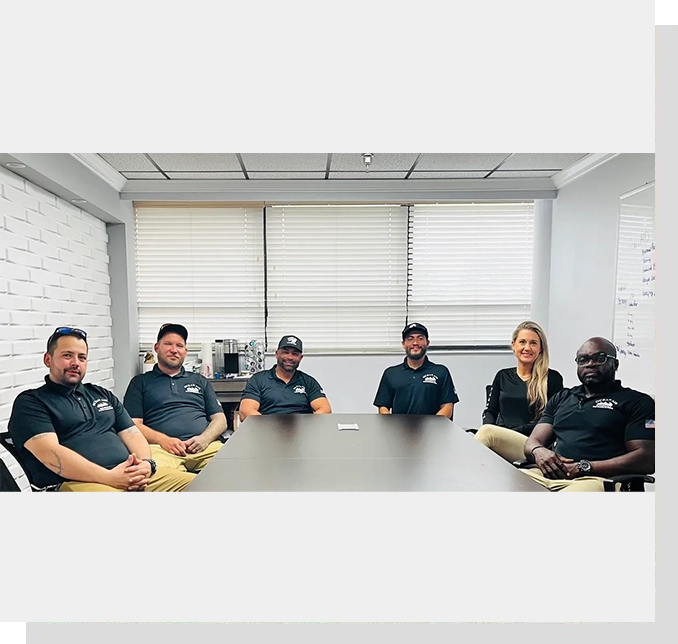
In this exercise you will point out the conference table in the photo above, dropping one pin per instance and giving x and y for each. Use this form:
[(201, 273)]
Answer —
[(357, 452)]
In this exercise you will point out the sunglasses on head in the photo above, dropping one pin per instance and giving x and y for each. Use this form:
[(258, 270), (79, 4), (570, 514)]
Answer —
[(597, 358), (67, 330)]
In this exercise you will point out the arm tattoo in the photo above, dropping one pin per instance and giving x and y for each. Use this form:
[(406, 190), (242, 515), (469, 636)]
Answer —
[(58, 466), (131, 430), (38, 436)]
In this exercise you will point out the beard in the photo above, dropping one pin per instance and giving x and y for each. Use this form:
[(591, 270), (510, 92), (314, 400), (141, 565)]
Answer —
[(417, 354)]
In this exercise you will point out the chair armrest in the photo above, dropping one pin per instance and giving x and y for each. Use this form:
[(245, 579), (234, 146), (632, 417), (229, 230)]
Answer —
[(629, 482), (471, 431)]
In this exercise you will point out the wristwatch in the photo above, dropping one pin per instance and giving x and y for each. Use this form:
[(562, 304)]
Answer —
[(584, 466), (154, 467)]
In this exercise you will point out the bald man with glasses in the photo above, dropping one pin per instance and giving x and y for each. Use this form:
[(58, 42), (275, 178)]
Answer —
[(590, 432)]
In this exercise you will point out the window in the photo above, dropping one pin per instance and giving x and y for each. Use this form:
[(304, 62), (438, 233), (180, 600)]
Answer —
[(337, 275), (341, 277), (202, 267), (470, 271)]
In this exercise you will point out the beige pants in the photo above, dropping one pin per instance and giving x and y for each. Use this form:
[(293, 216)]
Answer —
[(510, 446), (188, 463), (165, 479)]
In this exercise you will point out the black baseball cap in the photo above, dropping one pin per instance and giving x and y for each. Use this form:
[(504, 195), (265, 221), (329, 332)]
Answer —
[(290, 342), (415, 326), (180, 329)]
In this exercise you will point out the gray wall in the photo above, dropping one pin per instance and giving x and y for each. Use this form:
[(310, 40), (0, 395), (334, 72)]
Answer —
[(583, 256)]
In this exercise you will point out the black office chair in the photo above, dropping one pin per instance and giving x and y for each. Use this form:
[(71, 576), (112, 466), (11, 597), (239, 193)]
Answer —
[(7, 481), (629, 482), (8, 443), (488, 388)]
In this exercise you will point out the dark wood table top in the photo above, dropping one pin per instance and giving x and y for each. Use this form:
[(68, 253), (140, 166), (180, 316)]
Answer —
[(308, 452)]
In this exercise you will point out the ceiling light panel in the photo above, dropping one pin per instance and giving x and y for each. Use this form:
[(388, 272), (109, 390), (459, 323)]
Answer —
[(527, 174), (450, 162), (383, 161), (128, 162), (205, 175), (368, 175), (286, 175), (447, 175), (541, 161), (196, 162), (259, 162)]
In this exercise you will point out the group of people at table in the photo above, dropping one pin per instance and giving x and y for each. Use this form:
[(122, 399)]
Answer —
[(75, 436)]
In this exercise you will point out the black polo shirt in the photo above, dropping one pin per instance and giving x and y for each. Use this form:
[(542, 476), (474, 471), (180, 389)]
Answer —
[(597, 428), (86, 419), (179, 406), (425, 390), (275, 396)]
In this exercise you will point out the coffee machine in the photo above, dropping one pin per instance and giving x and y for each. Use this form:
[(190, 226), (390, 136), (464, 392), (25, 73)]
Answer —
[(226, 357)]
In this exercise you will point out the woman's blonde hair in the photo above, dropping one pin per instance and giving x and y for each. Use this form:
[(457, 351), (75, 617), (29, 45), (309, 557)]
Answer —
[(537, 387)]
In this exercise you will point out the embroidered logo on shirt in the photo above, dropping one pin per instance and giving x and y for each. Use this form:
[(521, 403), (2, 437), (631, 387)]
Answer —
[(431, 378), (299, 389), (649, 424), (101, 404), (605, 403), (192, 389)]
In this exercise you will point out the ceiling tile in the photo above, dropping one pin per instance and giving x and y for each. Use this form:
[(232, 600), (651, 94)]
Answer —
[(368, 175), (447, 162), (286, 175), (128, 162), (380, 161), (448, 175), (205, 175), (196, 162), (143, 175), (541, 161), (531, 174), (284, 162)]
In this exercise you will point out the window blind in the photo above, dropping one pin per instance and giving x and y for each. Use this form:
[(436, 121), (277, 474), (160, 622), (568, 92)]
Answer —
[(337, 275), (201, 267), (470, 279)]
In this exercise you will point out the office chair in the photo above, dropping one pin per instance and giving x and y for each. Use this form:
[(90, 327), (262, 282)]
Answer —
[(488, 388), (7, 481), (8, 443), (629, 482)]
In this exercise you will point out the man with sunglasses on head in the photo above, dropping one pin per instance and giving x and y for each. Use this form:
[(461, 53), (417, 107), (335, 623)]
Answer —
[(75, 436), (177, 411), (596, 430)]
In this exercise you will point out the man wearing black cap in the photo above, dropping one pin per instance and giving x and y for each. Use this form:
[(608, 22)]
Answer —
[(178, 412), (417, 385), (283, 389), (77, 437)]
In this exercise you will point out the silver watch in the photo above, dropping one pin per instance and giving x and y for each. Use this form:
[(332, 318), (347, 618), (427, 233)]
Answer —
[(584, 466)]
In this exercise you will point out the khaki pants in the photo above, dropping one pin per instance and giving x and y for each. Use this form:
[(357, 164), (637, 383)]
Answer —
[(165, 479), (188, 463), (510, 444)]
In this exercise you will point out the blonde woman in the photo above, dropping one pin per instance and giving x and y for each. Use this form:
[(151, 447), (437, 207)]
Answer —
[(519, 394)]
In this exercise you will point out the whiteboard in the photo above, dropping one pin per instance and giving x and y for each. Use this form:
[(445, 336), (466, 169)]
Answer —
[(634, 312)]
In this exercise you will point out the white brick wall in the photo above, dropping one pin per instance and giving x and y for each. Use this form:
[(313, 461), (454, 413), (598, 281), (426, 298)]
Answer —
[(53, 272)]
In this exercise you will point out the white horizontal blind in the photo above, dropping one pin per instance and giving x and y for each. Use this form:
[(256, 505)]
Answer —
[(470, 271), (337, 275), (200, 267), (634, 319)]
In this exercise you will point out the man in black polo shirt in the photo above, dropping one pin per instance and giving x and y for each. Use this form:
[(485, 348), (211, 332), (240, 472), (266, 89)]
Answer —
[(78, 437), (600, 428), (178, 412), (417, 385), (283, 389)]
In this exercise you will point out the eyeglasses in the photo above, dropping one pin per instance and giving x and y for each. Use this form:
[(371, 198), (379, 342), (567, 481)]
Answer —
[(67, 330), (598, 358)]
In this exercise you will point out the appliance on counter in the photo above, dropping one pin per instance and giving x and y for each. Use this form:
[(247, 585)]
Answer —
[(226, 358)]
